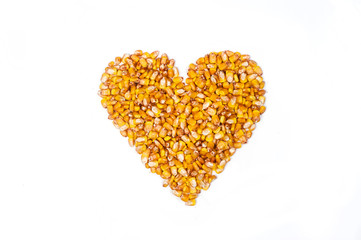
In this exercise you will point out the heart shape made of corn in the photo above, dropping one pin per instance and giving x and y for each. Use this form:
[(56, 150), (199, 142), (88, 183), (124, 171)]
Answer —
[(186, 131)]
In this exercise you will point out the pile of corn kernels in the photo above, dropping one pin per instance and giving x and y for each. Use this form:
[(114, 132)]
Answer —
[(186, 131)]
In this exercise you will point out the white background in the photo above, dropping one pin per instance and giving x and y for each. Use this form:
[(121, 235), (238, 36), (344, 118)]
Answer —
[(66, 172)]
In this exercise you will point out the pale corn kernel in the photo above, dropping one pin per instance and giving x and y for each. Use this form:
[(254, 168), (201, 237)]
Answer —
[(211, 111), (193, 182), (155, 110), (140, 148), (150, 113), (153, 164), (166, 182), (183, 172), (142, 139), (229, 76), (221, 145), (206, 131), (258, 70), (206, 103), (180, 156), (145, 156), (154, 54), (219, 135), (209, 164), (177, 193), (123, 128), (212, 58), (174, 170), (222, 76)]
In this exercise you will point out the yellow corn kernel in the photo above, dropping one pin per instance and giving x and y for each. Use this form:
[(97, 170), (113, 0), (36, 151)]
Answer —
[(198, 115), (200, 82), (192, 73)]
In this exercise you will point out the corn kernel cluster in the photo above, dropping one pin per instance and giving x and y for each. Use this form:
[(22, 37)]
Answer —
[(186, 131)]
